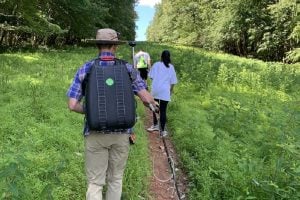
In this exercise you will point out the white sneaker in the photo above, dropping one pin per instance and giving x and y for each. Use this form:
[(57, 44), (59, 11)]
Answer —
[(153, 128), (163, 133)]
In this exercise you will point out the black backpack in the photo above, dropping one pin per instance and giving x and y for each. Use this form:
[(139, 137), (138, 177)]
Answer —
[(109, 99)]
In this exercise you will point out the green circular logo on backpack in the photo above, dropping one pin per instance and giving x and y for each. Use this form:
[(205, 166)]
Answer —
[(109, 82)]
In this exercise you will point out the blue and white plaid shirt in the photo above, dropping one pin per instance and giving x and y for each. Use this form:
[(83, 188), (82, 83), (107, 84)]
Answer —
[(106, 59)]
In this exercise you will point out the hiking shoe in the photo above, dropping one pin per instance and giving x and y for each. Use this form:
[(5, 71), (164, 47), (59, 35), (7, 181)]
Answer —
[(163, 133), (153, 128)]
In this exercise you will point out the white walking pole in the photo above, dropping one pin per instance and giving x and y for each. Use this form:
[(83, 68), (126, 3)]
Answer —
[(132, 44)]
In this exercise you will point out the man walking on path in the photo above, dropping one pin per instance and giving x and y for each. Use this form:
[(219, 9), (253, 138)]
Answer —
[(142, 62), (106, 152)]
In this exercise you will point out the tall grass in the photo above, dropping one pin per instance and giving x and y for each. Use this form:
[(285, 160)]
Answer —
[(235, 125), (41, 141)]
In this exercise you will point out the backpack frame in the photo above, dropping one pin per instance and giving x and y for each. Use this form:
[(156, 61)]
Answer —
[(109, 99)]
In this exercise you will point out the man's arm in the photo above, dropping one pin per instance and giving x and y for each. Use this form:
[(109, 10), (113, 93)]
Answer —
[(146, 97), (75, 106)]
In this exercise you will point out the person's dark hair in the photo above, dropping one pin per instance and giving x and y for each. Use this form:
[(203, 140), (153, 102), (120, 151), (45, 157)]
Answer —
[(166, 57)]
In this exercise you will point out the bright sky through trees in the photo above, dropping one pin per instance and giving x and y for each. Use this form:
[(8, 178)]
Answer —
[(150, 3), (145, 10)]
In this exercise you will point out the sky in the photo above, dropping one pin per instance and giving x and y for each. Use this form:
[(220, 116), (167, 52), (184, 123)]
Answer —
[(145, 11)]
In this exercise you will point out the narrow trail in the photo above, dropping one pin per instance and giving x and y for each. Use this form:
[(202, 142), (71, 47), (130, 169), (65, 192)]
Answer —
[(163, 186)]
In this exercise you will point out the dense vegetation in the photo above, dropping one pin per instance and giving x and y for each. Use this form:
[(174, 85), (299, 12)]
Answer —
[(59, 22), (235, 125), (41, 141), (264, 29), (235, 121)]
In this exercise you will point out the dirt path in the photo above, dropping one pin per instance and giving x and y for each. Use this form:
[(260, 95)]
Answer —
[(163, 186)]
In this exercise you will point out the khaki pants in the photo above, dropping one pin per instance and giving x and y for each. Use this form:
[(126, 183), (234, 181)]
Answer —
[(105, 161)]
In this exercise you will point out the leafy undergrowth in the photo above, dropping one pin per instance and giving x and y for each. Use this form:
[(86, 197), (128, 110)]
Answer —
[(235, 124), (41, 146)]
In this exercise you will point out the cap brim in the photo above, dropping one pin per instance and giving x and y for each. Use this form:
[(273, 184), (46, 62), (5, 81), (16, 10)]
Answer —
[(106, 41)]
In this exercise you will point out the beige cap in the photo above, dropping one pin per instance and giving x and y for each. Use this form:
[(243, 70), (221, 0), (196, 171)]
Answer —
[(107, 36)]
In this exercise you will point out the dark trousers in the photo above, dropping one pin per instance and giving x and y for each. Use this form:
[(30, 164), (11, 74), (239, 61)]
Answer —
[(143, 73), (162, 114)]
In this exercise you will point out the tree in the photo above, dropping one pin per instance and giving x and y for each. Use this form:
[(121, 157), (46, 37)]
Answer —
[(280, 37), (70, 21), (266, 29)]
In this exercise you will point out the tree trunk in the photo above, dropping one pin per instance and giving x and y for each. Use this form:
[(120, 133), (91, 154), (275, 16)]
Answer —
[(33, 40), (51, 40), (10, 38), (3, 34)]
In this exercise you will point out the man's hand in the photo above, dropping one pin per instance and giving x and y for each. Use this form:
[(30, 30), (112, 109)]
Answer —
[(155, 107), (76, 106), (146, 97), (132, 138)]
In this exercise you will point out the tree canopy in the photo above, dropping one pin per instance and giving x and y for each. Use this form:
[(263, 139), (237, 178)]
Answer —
[(265, 29), (63, 21)]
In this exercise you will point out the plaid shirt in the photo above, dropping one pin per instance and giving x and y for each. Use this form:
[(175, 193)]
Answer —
[(106, 60)]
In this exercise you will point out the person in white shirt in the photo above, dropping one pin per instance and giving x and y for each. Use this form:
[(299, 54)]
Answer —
[(163, 78)]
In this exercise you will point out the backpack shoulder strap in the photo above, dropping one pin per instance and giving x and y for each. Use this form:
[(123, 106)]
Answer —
[(86, 78), (120, 62), (132, 74)]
